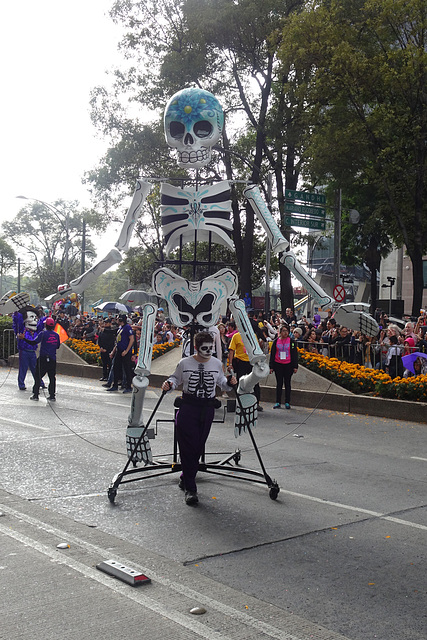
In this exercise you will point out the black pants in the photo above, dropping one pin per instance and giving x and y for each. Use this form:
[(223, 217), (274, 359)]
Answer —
[(193, 424), (242, 368), (45, 365), (106, 363), (123, 364), (283, 373)]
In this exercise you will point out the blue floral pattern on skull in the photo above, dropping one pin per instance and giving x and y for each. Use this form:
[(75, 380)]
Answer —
[(193, 122)]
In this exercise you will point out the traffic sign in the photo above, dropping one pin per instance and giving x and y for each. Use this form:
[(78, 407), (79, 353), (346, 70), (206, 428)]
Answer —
[(306, 196), (307, 210), (339, 293), (308, 223)]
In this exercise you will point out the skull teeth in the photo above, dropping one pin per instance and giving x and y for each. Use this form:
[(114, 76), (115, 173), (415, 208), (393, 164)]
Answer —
[(189, 157)]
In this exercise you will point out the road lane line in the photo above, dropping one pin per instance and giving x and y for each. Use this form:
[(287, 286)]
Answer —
[(416, 458), (113, 585), (24, 424), (188, 592), (375, 514)]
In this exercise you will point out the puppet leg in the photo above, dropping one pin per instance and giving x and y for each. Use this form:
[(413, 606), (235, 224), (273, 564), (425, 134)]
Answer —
[(139, 385), (353, 318)]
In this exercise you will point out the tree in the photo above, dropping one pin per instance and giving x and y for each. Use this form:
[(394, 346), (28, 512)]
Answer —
[(231, 49), (7, 260), (366, 242), (366, 93), (39, 233)]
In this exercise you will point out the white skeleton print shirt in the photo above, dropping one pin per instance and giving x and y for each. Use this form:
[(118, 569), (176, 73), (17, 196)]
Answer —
[(199, 379)]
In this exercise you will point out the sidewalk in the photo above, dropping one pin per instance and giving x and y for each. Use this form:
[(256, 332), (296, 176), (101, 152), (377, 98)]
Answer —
[(50, 593)]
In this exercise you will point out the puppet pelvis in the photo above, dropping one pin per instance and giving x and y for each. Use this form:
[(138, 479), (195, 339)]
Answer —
[(199, 302)]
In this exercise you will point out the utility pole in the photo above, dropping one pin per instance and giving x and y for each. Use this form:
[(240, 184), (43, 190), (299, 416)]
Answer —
[(337, 238)]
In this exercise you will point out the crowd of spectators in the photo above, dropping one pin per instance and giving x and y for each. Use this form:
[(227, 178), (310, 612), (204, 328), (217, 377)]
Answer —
[(316, 335)]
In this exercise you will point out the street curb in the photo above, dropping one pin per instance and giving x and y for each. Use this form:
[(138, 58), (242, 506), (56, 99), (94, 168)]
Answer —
[(359, 404)]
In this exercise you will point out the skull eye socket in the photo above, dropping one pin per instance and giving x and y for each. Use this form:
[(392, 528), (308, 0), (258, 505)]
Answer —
[(203, 129), (176, 129)]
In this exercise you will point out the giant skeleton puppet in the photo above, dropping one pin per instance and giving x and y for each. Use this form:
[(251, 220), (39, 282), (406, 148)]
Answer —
[(193, 123)]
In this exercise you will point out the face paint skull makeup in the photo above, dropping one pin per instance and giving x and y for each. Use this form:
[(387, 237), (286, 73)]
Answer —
[(205, 350)]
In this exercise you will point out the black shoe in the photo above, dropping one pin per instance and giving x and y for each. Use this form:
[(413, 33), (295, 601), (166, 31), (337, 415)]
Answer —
[(52, 398), (260, 409), (22, 388), (113, 389), (191, 497), (33, 397), (106, 385), (181, 484)]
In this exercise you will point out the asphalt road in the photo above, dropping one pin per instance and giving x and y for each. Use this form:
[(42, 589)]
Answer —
[(343, 546)]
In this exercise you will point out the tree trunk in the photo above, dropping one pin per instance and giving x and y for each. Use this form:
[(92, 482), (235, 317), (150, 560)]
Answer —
[(418, 281)]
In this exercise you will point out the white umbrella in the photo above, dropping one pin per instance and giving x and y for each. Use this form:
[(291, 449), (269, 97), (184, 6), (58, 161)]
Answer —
[(113, 306), (136, 297)]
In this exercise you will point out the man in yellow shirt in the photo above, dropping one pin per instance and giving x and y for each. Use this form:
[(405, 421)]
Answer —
[(238, 360)]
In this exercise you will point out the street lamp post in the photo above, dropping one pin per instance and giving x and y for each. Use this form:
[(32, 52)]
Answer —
[(390, 284), (57, 213)]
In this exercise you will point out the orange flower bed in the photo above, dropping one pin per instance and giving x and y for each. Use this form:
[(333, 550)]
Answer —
[(90, 352), (359, 379)]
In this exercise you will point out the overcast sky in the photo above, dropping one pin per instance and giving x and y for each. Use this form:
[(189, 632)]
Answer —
[(53, 52)]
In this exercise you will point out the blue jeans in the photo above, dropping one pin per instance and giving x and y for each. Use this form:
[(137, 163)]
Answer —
[(27, 360)]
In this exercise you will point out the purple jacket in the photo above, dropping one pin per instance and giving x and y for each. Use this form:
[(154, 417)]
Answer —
[(49, 343)]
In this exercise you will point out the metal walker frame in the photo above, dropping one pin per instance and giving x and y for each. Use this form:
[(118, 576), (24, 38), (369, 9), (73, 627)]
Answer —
[(218, 467), (222, 467)]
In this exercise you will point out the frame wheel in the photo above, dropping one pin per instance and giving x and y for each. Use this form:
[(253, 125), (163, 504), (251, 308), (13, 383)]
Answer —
[(274, 492), (237, 457)]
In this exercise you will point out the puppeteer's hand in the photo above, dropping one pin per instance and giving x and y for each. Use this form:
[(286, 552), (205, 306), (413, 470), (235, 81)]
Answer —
[(20, 336), (232, 381), (166, 386)]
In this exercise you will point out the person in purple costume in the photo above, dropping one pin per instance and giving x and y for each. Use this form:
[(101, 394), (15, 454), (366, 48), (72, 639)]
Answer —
[(46, 363)]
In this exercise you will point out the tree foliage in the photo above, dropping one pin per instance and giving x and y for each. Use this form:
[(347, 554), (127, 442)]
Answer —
[(41, 234), (367, 104), (230, 49)]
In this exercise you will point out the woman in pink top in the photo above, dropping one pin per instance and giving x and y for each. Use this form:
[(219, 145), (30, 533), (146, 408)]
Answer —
[(284, 363)]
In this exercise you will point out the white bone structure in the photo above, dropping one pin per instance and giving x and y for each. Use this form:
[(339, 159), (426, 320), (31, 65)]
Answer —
[(141, 447), (194, 215), (198, 302), (194, 122)]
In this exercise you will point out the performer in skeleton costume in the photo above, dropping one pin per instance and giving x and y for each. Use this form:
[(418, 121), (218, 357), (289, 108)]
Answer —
[(199, 375), (25, 322)]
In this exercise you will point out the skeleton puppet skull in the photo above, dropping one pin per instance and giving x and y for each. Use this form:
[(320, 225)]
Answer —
[(30, 319), (193, 121)]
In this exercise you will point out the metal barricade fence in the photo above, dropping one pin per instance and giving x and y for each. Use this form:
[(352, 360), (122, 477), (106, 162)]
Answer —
[(8, 343), (370, 355)]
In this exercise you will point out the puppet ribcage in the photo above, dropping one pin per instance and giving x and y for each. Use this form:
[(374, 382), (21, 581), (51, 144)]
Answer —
[(195, 214)]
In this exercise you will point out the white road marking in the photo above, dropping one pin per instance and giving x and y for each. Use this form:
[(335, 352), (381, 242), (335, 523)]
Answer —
[(30, 425), (416, 458), (188, 592), (375, 514)]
